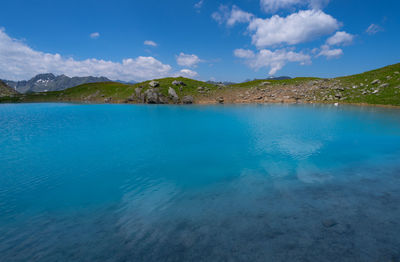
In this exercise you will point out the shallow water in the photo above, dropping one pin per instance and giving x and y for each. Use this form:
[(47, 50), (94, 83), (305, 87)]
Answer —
[(199, 183)]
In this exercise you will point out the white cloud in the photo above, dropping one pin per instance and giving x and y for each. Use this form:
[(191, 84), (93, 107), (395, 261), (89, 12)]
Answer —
[(273, 60), (340, 38), (244, 53), (238, 16), (373, 29), (150, 43), (296, 28), (95, 35), (271, 6), (187, 60), (18, 61), (222, 15), (330, 53), (199, 4), (231, 16), (187, 73)]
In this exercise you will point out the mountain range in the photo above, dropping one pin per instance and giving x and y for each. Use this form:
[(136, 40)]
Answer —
[(50, 82)]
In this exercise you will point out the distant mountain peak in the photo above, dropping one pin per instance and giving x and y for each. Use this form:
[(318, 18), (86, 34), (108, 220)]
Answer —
[(49, 82)]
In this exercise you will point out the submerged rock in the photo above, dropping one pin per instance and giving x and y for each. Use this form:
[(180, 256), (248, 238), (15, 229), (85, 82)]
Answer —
[(329, 223)]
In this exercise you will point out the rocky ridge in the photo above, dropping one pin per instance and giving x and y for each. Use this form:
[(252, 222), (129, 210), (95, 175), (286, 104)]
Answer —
[(5, 90)]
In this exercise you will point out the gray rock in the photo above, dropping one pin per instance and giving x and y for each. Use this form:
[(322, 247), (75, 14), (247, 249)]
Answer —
[(220, 100), (200, 88), (266, 83), (154, 84), (107, 100), (396, 73), (172, 94), (151, 96), (376, 81), (384, 85), (138, 91), (187, 100), (178, 83), (162, 99)]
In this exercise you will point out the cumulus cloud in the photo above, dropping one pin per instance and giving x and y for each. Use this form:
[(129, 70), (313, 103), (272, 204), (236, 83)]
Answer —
[(330, 53), (340, 38), (150, 43), (186, 73), (272, 60), (244, 53), (231, 16), (271, 6), (94, 35), (238, 16), (18, 61), (187, 60), (296, 28), (373, 29)]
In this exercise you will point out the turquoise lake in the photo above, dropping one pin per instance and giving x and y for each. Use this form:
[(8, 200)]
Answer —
[(199, 183)]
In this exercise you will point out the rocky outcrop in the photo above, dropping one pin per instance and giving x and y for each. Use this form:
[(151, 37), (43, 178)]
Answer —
[(154, 84), (178, 83), (188, 100), (5, 90), (172, 94), (152, 96)]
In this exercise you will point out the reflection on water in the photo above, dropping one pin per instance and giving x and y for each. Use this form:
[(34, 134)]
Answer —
[(165, 183)]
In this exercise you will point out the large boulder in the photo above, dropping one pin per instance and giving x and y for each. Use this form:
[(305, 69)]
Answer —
[(172, 94), (151, 96), (154, 84), (220, 100), (188, 100), (178, 83)]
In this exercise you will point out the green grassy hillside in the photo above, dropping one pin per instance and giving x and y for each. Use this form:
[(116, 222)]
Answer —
[(381, 86)]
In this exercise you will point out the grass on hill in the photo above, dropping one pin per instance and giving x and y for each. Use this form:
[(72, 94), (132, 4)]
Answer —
[(293, 81), (361, 83), (355, 88)]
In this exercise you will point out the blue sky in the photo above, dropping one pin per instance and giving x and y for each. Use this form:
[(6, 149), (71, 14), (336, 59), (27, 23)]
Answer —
[(219, 40)]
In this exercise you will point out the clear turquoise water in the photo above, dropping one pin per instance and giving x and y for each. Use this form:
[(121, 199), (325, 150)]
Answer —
[(199, 183)]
